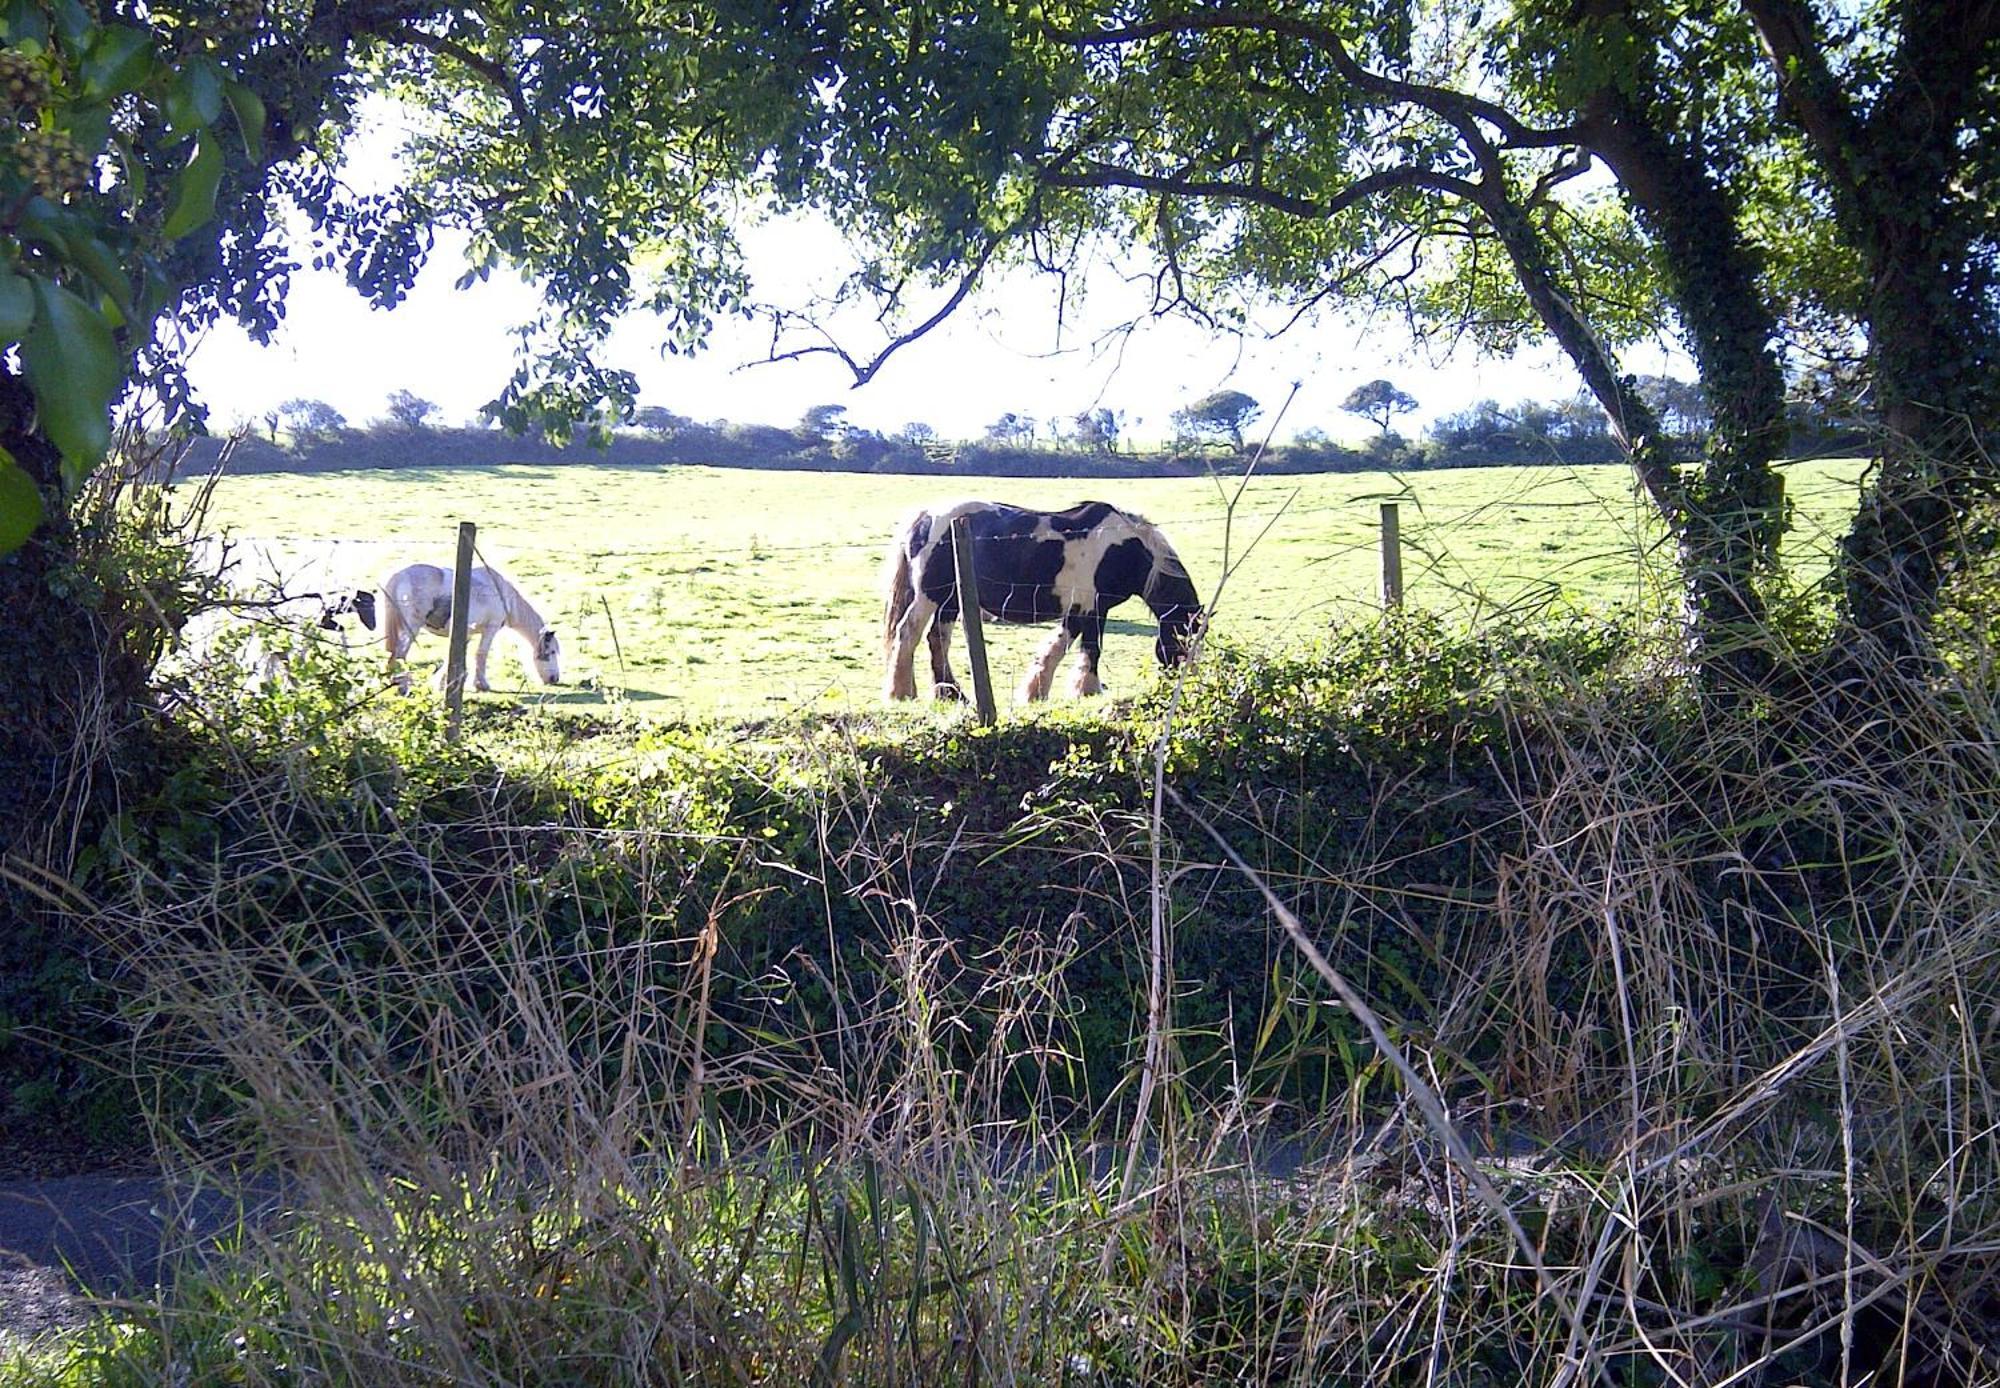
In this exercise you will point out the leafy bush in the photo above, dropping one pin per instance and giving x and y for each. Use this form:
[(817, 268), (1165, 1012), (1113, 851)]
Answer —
[(800, 1046)]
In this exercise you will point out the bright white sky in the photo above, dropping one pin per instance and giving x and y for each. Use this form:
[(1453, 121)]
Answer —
[(1004, 350)]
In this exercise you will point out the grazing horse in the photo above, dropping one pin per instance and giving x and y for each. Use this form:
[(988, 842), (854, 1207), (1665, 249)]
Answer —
[(418, 598), (1069, 566)]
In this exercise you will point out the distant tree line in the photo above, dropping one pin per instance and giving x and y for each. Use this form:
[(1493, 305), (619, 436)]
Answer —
[(311, 436), (1576, 431)]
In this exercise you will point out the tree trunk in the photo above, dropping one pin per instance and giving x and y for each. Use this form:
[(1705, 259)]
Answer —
[(1734, 518), (1933, 346), (56, 677), (1724, 615), (1908, 192)]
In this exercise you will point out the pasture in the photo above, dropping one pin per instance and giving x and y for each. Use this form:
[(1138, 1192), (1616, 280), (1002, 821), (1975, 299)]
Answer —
[(696, 592)]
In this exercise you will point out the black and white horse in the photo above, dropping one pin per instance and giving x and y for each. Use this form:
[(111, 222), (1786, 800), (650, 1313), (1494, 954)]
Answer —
[(1069, 566)]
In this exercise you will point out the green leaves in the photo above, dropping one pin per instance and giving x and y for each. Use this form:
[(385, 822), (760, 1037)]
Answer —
[(84, 280), (73, 21), (76, 370), (119, 60), (194, 100), (17, 307), (194, 188), (24, 21), (109, 101), (20, 504), (249, 110), (63, 231)]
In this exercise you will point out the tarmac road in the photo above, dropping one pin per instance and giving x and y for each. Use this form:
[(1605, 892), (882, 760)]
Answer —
[(96, 1235)]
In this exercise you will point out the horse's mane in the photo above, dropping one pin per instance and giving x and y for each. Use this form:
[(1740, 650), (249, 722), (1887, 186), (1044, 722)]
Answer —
[(514, 601), (1167, 562)]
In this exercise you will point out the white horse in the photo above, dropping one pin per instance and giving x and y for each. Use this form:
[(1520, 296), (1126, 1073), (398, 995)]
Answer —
[(418, 599)]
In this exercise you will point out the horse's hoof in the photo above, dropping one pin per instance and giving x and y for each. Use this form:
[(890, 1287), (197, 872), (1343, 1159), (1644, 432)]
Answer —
[(949, 693)]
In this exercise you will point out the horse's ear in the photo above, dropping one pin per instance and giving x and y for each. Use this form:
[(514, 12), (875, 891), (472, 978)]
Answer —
[(364, 606)]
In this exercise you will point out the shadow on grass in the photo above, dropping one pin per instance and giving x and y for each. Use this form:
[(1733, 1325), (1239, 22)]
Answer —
[(580, 695)]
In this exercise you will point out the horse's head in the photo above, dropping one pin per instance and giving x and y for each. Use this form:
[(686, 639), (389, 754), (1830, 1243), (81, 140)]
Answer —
[(1179, 626), (1170, 594), (361, 604), (548, 657)]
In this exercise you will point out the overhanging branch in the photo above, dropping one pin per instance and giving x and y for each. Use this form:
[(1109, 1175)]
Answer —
[(1790, 38), (1446, 102), (865, 371), (493, 73), (1092, 174)]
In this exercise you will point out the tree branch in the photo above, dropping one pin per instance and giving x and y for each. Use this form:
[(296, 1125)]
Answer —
[(864, 372), (1442, 100), (1093, 174), (1573, 164), (1790, 38), (495, 74)]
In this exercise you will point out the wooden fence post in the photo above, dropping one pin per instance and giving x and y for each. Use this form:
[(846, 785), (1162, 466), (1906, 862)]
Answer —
[(1392, 556), (968, 613), (454, 661)]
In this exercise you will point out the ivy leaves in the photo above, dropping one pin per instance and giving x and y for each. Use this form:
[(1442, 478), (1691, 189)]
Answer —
[(20, 504), (87, 109)]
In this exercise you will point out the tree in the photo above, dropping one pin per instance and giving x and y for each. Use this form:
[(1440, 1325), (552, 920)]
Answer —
[(311, 419), (1221, 415), (660, 421), (1578, 419), (406, 410), (1901, 128), (918, 433), (1378, 401), (1097, 430), (1680, 405), (1014, 430), (821, 424), (139, 144), (1310, 151), (1254, 145), (863, 450), (1430, 162), (1316, 150)]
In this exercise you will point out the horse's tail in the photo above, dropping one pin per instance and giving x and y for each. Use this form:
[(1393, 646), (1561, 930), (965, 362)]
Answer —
[(899, 588)]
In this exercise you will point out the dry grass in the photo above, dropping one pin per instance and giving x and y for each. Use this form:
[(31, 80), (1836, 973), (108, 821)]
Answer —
[(1715, 1044)]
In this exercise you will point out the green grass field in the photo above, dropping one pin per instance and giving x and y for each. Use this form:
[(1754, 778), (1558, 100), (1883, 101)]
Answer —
[(698, 591)]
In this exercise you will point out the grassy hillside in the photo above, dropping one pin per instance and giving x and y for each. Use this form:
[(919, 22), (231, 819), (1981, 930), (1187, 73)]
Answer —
[(699, 591)]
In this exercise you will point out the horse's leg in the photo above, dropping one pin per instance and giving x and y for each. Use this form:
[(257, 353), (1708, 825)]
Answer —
[(944, 684), (902, 680), (1090, 635), (1042, 673), (396, 638), (479, 661)]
